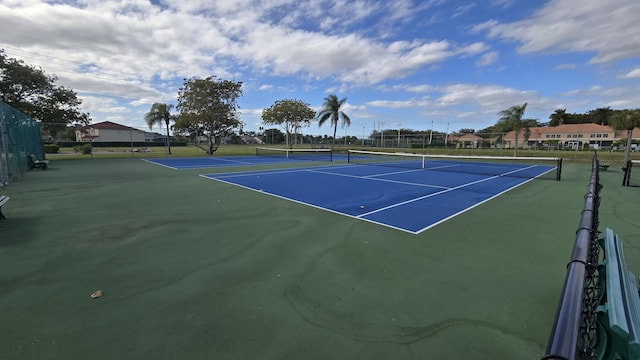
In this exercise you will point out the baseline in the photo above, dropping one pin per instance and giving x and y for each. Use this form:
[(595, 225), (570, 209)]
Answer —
[(408, 206)]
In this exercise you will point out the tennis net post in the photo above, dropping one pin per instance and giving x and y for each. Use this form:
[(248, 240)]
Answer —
[(626, 180)]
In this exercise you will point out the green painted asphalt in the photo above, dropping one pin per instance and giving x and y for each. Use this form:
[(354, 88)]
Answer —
[(196, 269)]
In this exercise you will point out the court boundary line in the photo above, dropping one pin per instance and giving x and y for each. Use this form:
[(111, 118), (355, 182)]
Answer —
[(275, 171), (361, 216), (431, 195), (472, 206), (235, 163), (374, 179), (155, 163), (308, 204)]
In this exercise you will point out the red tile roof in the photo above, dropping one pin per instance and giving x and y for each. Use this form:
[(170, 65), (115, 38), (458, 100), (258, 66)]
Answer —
[(470, 137)]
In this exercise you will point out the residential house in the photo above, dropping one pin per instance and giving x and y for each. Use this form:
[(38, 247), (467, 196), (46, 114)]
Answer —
[(569, 136), (469, 141), (155, 137), (108, 131)]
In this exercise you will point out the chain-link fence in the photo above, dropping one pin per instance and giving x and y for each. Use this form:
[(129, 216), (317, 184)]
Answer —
[(19, 138)]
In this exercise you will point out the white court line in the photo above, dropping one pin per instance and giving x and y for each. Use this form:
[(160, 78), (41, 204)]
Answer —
[(311, 205), (436, 194), (382, 180), (360, 217), (269, 172), (235, 161), (393, 173), (471, 207), (156, 163)]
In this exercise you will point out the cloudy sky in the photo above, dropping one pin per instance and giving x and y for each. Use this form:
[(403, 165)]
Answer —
[(402, 63)]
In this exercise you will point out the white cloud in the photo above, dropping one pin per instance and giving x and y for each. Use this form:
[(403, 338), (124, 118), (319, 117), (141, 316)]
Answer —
[(121, 56), (487, 96), (565, 67), (398, 104), (488, 58), (607, 28), (463, 9), (633, 74)]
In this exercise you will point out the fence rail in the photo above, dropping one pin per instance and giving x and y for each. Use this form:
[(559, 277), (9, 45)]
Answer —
[(573, 335)]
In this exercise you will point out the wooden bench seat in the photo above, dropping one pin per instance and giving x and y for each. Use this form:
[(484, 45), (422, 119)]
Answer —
[(3, 200), (619, 311)]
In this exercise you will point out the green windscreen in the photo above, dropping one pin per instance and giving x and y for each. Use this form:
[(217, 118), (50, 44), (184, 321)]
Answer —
[(19, 138)]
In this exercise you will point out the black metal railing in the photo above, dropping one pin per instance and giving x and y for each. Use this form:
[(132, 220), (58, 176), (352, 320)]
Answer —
[(574, 335)]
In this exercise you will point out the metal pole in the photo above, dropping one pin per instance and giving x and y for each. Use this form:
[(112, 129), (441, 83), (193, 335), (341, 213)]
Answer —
[(446, 137), (431, 133)]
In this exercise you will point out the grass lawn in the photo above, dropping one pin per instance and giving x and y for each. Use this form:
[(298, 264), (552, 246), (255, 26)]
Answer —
[(615, 158)]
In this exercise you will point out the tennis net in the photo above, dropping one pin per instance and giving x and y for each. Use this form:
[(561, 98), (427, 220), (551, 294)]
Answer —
[(296, 154), (524, 167), (628, 179)]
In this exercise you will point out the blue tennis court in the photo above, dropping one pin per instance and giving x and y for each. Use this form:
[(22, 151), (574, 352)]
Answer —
[(411, 200), (221, 161)]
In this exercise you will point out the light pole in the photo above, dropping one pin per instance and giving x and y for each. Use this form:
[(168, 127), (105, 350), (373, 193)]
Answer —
[(446, 136), (363, 127), (431, 133)]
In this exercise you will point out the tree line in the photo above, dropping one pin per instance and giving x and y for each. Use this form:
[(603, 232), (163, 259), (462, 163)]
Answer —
[(208, 107), (36, 94)]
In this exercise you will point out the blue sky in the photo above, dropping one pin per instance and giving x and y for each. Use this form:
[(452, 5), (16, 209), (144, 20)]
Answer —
[(402, 63)]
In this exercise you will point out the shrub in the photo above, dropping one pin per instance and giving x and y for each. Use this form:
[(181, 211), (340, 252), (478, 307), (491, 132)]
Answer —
[(84, 149), (51, 148)]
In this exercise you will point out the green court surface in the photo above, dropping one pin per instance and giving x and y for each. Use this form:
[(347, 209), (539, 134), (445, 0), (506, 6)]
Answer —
[(197, 269)]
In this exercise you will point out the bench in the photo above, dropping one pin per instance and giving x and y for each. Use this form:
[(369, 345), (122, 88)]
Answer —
[(34, 162), (603, 167), (3, 200), (619, 310)]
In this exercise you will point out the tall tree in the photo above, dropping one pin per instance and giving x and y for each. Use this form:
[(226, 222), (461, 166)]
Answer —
[(331, 111), (558, 117), (600, 115), (466, 131), (208, 107), (160, 114), (35, 93), (291, 114), (626, 120), (513, 117)]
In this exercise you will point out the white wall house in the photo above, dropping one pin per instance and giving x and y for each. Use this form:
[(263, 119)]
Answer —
[(572, 136), (108, 131)]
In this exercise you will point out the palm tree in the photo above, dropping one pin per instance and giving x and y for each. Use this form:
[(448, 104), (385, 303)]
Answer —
[(160, 113), (559, 117), (626, 120), (331, 111), (513, 117)]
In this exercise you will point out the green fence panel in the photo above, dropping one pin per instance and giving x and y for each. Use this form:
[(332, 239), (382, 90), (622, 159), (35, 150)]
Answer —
[(19, 137)]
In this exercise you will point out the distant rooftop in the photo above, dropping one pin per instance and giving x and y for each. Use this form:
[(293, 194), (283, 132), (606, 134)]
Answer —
[(108, 125)]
